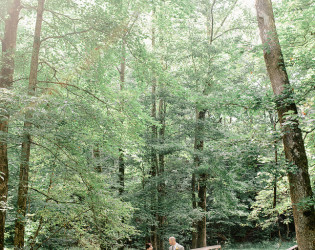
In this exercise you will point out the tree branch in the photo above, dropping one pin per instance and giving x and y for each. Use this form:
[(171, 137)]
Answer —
[(224, 32), (57, 14), (67, 34), (51, 198), (74, 86), (225, 18), (308, 132), (212, 21)]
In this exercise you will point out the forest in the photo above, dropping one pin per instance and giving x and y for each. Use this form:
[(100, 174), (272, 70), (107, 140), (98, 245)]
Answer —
[(126, 122)]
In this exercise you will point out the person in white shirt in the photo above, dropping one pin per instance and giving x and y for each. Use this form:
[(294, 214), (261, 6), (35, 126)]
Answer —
[(174, 244)]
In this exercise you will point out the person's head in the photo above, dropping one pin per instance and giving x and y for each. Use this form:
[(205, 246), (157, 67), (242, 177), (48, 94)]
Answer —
[(172, 241), (148, 246)]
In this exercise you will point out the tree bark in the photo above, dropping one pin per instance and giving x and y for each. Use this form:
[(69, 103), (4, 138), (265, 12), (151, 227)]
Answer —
[(154, 157), (161, 185), (6, 80), (299, 179), (96, 156), (274, 126), (199, 237), (154, 166), (121, 161), (26, 144), (194, 206)]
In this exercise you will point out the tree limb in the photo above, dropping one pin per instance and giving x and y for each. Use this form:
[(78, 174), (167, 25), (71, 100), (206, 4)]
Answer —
[(67, 34), (51, 198), (224, 19)]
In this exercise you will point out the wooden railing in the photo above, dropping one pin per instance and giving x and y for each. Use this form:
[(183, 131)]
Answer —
[(217, 247), (293, 248)]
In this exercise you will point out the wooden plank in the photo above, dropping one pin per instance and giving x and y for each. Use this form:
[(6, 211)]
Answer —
[(208, 248), (293, 248)]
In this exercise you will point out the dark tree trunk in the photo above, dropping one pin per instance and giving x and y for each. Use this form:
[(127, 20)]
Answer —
[(121, 161), (274, 125), (275, 183), (161, 185), (199, 237), (194, 206), (299, 179), (202, 203), (96, 156), (121, 157), (154, 156), (6, 80), (26, 144), (154, 167)]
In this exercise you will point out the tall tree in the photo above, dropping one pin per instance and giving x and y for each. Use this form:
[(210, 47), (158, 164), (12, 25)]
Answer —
[(200, 182), (161, 182), (154, 137), (26, 143), (199, 237), (6, 80), (121, 157), (121, 160), (299, 178)]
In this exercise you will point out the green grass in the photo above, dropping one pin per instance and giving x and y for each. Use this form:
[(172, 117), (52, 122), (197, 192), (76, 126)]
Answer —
[(266, 245)]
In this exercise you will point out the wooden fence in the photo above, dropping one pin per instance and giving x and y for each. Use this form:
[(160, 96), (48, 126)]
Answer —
[(293, 248), (217, 247)]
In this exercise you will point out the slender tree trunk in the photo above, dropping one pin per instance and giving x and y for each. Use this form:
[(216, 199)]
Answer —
[(202, 203), (154, 165), (154, 157), (194, 206), (275, 185), (199, 238), (273, 124), (96, 156), (161, 185), (26, 144), (299, 179), (6, 80), (9, 44), (121, 160), (121, 172)]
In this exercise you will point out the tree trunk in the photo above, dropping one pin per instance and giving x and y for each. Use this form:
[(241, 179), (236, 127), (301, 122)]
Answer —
[(96, 156), (202, 203), (121, 161), (154, 166), (161, 185), (154, 157), (274, 124), (194, 206), (299, 179), (121, 171), (199, 237), (275, 183), (26, 144), (6, 80)]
